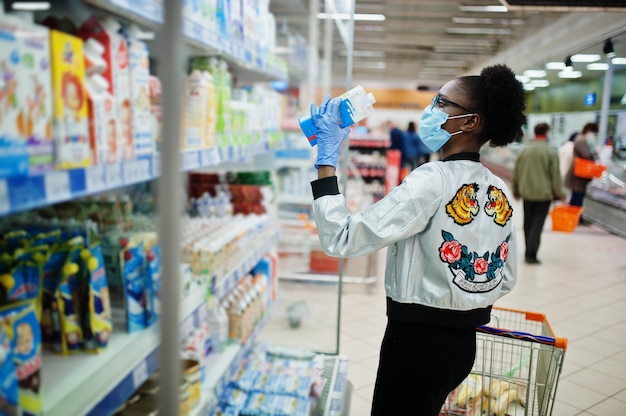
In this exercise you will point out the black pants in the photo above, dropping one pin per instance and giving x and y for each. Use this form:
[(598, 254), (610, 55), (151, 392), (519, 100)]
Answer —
[(535, 213), (419, 366)]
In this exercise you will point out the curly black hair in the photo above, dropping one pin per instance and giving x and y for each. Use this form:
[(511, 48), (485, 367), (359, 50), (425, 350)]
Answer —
[(500, 99)]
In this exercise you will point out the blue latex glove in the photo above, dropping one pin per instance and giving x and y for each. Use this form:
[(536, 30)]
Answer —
[(329, 135)]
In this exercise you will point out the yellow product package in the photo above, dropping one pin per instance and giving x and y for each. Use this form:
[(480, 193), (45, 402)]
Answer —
[(98, 323), (68, 301), (70, 124)]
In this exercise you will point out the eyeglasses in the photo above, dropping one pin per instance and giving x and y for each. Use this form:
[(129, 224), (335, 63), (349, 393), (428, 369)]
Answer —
[(440, 102)]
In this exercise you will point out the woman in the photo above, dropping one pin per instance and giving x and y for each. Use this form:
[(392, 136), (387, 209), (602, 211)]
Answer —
[(584, 147), (449, 233)]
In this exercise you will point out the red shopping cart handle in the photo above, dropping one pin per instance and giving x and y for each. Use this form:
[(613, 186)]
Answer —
[(524, 336)]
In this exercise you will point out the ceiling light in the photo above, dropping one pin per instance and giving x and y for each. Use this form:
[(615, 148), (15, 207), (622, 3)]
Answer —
[(540, 83), (522, 78), (619, 61), (31, 5), (491, 9), (535, 73), (582, 57), (598, 66), (529, 87), (608, 48), (478, 31), (555, 65), (570, 74), (357, 16)]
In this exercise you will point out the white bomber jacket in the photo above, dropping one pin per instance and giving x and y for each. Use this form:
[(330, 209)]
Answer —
[(450, 236)]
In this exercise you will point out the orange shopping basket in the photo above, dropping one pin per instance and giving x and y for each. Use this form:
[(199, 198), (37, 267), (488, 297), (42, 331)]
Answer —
[(565, 217), (516, 372), (587, 169)]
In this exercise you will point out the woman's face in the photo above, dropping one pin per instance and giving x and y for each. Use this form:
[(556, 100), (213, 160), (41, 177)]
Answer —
[(454, 102)]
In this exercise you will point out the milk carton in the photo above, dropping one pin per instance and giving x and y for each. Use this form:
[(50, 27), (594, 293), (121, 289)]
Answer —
[(26, 144), (103, 125), (139, 69), (70, 127), (117, 74)]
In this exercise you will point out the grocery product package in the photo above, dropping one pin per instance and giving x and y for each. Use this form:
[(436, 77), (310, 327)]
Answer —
[(20, 340), (117, 74), (26, 144), (70, 124)]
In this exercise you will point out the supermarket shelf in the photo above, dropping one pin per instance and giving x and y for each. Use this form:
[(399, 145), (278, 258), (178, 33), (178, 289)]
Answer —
[(69, 383), (146, 13), (28, 192), (249, 63), (228, 282), (223, 366)]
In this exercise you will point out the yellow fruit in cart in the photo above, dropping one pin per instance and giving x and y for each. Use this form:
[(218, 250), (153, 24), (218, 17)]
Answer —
[(469, 390)]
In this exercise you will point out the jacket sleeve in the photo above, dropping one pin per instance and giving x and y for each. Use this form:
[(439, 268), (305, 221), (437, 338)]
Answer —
[(405, 211)]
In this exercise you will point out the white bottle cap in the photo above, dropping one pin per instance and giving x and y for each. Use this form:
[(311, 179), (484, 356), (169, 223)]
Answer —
[(371, 98)]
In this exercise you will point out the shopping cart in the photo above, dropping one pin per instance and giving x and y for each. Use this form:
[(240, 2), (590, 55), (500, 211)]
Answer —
[(516, 371)]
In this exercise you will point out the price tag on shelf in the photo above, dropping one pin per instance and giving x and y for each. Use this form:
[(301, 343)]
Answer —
[(140, 374), (94, 179), (57, 186), (205, 157), (190, 160), (136, 171), (113, 175), (156, 166), (5, 205)]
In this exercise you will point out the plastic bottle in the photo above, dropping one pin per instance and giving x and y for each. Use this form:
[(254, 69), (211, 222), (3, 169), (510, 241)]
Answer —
[(355, 105)]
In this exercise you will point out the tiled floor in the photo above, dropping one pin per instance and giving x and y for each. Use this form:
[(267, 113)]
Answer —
[(580, 286)]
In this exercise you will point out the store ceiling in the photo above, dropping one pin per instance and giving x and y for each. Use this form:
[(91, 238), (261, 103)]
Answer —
[(425, 42)]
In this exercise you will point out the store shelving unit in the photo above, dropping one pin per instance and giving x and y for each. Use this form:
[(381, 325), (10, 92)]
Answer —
[(99, 384)]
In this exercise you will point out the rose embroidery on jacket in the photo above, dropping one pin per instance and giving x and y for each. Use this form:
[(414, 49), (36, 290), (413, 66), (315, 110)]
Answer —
[(473, 272)]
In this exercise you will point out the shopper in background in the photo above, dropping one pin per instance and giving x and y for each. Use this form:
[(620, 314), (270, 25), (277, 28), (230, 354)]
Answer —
[(411, 146), (449, 233), (566, 155), (584, 147), (537, 180)]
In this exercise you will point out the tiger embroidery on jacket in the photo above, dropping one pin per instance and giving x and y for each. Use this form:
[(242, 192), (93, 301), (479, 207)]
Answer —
[(498, 206), (464, 206)]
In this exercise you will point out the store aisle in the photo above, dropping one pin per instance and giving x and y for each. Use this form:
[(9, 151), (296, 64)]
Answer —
[(580, 286)]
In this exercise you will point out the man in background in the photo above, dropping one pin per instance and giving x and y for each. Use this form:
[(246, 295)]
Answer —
[(537, 180)]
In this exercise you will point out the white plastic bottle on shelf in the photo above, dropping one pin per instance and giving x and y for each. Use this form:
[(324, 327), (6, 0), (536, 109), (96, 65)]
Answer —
[(355, 105), (218, 321)]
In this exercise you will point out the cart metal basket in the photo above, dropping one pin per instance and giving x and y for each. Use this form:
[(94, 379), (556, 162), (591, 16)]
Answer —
[(516, 371)]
